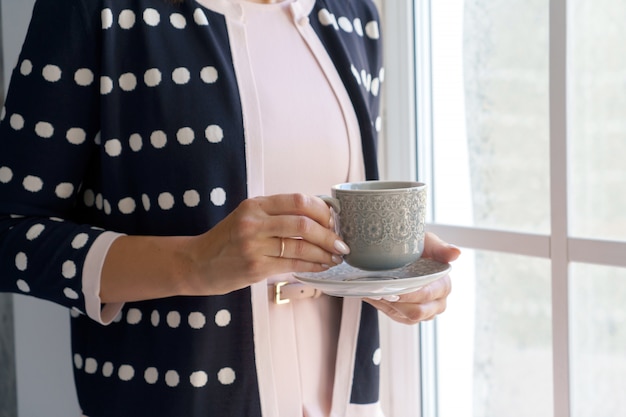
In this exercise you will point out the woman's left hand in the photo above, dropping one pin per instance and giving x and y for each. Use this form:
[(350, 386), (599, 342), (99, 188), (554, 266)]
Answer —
[(430, 300)]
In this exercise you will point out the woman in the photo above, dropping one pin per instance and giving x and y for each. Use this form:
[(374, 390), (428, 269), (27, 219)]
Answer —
[(156, 159)]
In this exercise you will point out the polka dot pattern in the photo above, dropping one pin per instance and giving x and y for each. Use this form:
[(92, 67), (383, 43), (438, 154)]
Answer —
[(205, 133)]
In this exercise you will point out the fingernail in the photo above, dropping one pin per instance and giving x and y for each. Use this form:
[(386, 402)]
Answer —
[(374, 298), (331, 222), (325, 266), (391, 298), (341, 247), (451, 246), (337, 259)]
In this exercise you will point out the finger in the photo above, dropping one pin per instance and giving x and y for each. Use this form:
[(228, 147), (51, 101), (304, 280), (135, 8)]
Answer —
[(297, 204), (300, 249), (410, 313), (437, 249)]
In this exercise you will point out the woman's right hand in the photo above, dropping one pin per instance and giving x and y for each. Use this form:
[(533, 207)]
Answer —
[(242, 249)]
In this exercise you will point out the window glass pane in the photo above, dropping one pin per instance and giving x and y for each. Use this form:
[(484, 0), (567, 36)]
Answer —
[(490, 113), (494, 342), (598, 340), (597, 122)]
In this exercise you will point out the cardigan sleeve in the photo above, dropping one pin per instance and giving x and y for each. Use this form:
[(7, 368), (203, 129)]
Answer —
[(48, 132)]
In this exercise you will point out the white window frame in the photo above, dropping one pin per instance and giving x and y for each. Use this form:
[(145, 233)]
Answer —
[(408, 115)]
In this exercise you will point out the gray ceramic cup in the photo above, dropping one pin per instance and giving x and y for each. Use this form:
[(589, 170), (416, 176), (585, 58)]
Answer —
[(381, 221)]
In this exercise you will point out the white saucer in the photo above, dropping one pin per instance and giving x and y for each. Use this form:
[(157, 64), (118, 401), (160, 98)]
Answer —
[(347, 281)]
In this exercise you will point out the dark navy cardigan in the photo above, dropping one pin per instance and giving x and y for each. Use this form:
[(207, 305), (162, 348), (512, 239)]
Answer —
[(90, 142)]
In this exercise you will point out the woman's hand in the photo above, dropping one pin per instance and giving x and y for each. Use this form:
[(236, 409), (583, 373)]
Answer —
[(428, 301), (263, 236)]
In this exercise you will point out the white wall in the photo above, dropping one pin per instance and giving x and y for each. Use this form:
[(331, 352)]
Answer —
[(45, 385)]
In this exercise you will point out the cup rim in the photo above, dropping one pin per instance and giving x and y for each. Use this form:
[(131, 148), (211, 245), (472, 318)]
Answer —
[(386, 186)]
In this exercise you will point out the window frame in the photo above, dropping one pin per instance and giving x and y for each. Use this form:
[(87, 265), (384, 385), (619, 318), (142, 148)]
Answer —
[(408, 114)]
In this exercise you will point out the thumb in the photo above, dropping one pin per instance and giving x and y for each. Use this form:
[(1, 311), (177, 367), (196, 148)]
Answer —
[(435, 248)]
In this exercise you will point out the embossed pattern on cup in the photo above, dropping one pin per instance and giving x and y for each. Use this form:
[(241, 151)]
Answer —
[(382, 222)]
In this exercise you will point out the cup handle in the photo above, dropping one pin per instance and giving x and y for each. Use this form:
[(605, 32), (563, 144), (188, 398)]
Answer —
[(332, 202)]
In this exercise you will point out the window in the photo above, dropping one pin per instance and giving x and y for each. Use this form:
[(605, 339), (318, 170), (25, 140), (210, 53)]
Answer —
[(520, 136)]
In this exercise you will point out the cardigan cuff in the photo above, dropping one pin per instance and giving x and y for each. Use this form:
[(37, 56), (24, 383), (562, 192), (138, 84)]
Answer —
[(92, 272)]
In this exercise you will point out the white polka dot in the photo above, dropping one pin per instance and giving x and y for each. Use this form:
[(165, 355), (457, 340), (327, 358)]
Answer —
[(178, 20), (128, 81), (70, 293), (127, 205), (222, 318), (80, 240), (379, 124), (208, 75), (158, 139), (151, 375), (173, 319), (185, 135), (84, 77), (6, 175), (23, 286), (74, 312), (133, 316), (26, 68), (145, 201), (76, 136), (358, 27), (377, 357), (326, 18), (136, 142), (89, 198), (181, 75), (155, 318), (126, 372), (99, 200), (51, 73), (166, 201), (3, 113), (107, 18), (113, 147), (21, 261), (151, 17), (68, 270), (226, 376), (44, 130), (371, 30), (16, 121), (199, 379), (218, 196), (35, 231), (191, 198), (366, 79), (126, 19), (196, 320), (107, 369), (91, 366), (381, 75), (32, 183), (98, 138), (375, 86), (345, 24), (107, 206), (171, 378), (200, 18), (78, 361), (64, 190), (106, 85), (152, 77), (214, 134)]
